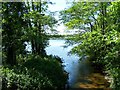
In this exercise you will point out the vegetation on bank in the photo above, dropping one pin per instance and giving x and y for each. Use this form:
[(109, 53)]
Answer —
[(27, 22), (56, 36), (101, 42), (24, 23), (59, 36), (35, 73)]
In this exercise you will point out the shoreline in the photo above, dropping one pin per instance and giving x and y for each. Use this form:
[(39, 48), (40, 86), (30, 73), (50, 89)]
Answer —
[(97, 79)]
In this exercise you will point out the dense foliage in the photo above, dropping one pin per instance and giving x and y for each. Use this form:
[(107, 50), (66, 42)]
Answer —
[(101, 40), (23, 23), (26, 23), (35, 73)]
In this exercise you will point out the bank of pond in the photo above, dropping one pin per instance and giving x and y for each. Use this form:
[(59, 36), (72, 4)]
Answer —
[(36, 73), (55, 71)]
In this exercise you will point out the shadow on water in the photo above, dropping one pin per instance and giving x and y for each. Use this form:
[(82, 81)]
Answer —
[(84, 70), (69, 61), (88, 79), (81, 75)]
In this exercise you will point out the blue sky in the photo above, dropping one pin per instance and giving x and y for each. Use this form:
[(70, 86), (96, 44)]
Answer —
[(58, 6)]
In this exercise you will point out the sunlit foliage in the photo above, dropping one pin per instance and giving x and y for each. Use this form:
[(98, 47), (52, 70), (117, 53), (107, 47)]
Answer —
[(101, 41)]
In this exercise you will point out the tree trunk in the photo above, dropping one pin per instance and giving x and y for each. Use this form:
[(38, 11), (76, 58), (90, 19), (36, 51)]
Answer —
[(11, 55)]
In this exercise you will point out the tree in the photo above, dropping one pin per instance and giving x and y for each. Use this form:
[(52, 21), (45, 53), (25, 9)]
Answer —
[(25, 22), (102, 42), (80, 14), (12, 25), (37, 23)]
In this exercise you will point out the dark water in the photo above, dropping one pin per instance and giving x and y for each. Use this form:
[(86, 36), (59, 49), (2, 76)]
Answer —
[(77, 69), (81, 74)]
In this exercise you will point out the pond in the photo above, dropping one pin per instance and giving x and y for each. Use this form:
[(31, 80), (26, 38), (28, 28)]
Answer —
[(81, 74), (73, 65)]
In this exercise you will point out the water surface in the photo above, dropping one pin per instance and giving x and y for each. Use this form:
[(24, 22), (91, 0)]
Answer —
[(73, 65), (81, 74)]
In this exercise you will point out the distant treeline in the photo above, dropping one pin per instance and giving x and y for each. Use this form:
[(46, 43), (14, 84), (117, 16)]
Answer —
[(59, 36)]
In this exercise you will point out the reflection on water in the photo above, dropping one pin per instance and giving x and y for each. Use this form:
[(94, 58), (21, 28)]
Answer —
[(80, 72), (73, 66)]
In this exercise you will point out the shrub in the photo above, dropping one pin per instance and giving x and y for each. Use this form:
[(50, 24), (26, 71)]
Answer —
[(36, 73)]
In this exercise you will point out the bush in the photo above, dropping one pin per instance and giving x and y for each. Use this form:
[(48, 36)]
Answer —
[(36, 73), (103, 51)]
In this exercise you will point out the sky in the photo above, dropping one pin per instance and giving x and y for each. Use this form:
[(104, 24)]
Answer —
[(58, 6)]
